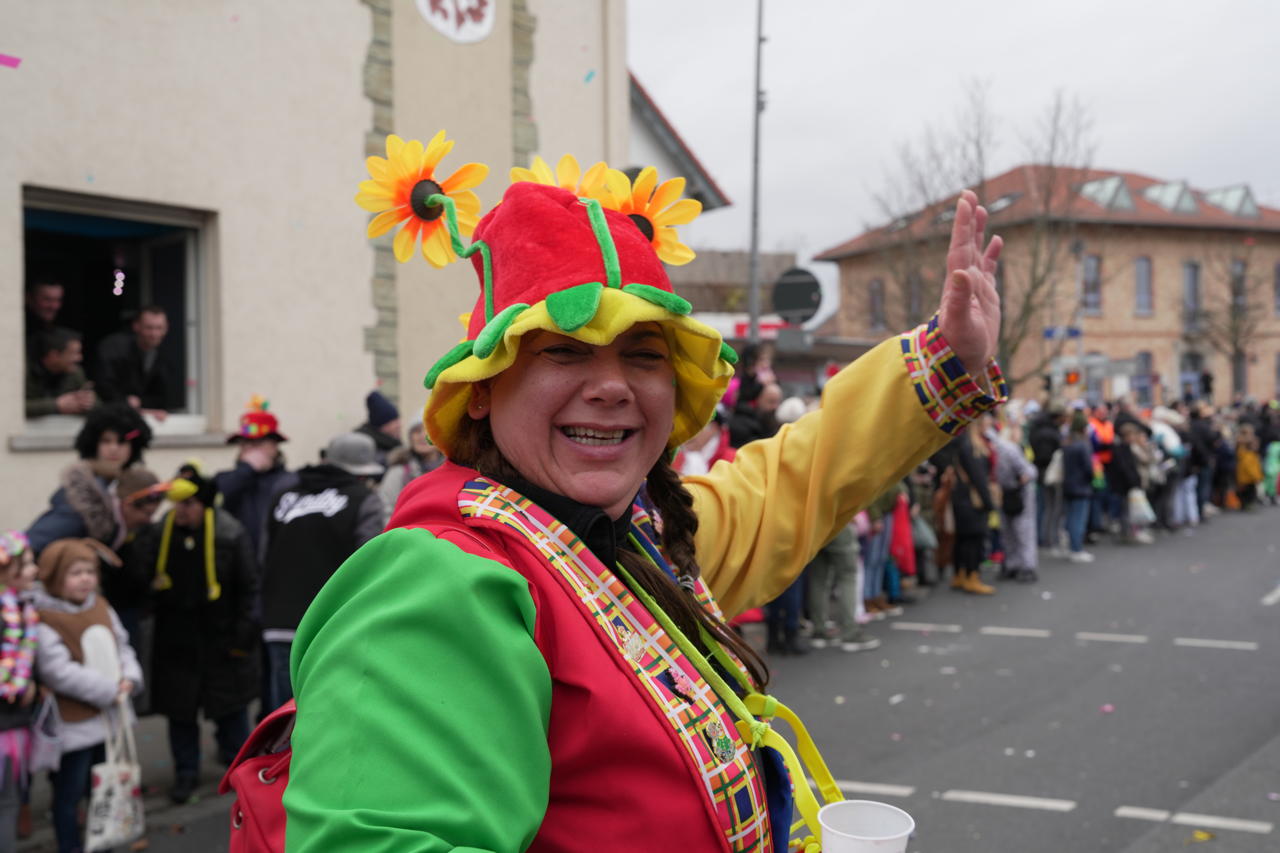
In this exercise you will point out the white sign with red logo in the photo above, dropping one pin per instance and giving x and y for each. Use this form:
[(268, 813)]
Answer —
[(463, 21)]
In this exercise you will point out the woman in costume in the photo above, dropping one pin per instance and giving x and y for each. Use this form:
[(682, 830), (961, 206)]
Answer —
[(521, 661)]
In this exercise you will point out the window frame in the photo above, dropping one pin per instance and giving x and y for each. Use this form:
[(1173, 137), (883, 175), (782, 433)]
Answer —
[(876, 307), (179, 430), (1091, 285), (1143, 290)]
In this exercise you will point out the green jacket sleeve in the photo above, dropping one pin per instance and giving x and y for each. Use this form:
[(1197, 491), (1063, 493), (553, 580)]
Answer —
[(423, 705)]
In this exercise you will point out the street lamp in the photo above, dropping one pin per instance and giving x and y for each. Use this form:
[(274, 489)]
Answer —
[(753, 289)]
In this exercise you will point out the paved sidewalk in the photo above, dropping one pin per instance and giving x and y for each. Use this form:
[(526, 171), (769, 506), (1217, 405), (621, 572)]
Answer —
[(164, 819)]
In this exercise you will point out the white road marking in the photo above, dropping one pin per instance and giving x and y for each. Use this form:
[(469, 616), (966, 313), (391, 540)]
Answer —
[(875, 788), (1012, 800), (1139, 813), (926, 626), (1212, 822), (998, 631), (1110, 638), (1272, 597), (1195, 642)]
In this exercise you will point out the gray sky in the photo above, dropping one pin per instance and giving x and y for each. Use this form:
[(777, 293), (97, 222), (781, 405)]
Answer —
[(1176, 90)]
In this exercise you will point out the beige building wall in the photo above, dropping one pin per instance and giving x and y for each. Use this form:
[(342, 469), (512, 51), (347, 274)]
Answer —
[(1119, 331), (253, 114), (579, 81)]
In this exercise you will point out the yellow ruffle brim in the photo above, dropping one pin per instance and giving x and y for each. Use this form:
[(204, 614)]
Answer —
[(701, 374)]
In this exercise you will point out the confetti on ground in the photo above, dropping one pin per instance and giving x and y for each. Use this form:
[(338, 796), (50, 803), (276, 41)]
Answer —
[(1009, 751), (1046, 595), (884, 664), (140, 844), (947, 670), (10, 61), (1030, 753), (1108, 708), (1273, 796), (1005, 673), (1115, 667), (591, 75), (839, 700), (1200, 835), (896, 698), (1196, 568), (895, 737)]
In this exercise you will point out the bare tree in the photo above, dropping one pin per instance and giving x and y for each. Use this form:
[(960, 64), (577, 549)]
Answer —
[(1038, 280), (1234, 307)]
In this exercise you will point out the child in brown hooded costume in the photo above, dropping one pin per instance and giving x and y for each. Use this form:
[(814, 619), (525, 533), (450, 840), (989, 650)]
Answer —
[(70, 610)]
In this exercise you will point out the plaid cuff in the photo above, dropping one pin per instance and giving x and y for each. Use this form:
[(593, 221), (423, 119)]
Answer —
[(950, 396)]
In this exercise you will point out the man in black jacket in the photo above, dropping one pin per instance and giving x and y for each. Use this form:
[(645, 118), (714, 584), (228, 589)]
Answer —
[(314, 526), (131, 368)]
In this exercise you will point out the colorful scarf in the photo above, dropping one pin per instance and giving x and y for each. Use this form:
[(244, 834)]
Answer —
[(19, 620)]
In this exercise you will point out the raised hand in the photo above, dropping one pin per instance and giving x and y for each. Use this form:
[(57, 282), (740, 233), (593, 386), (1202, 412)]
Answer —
[(969, 317)]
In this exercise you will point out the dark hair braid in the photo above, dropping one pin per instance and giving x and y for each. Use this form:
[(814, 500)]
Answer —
[(474, 446)]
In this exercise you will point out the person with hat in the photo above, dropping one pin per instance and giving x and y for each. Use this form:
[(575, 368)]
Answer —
[(75, 618), (383, 425), (111, 441), (205, 656), (314, 526), (259, 473), (527, 657)]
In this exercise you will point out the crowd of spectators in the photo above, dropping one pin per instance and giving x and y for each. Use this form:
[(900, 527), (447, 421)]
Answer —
[(203, 578)]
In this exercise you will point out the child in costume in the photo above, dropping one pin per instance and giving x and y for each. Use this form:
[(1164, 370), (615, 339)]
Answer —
[(17, 657), (528, 659), (70, 610)]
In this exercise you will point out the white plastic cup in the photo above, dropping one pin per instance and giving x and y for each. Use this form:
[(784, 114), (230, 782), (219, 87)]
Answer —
[(864, 826)]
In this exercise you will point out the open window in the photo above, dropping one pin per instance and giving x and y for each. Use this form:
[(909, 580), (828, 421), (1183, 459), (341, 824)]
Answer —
[(113, 258)]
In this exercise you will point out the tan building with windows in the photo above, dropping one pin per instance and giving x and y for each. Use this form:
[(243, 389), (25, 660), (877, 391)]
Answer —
[(211, 154), (1134, 283)]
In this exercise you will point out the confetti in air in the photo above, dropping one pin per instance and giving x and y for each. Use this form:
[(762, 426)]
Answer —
[(118, 287)]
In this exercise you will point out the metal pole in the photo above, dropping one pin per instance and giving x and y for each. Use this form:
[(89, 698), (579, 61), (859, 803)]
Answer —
[(753, 291)]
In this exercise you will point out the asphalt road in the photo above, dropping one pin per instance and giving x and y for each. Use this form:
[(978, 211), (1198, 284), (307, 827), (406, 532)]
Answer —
[(1129, 705)]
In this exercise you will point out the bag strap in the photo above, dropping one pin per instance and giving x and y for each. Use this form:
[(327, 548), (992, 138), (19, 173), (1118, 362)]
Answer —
[(754, 711)]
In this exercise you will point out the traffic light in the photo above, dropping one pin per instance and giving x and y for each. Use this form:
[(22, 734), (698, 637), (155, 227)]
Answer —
[(1073, 377)]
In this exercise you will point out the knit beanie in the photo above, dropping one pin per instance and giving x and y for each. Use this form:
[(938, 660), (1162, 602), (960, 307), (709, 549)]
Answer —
[(381, 410)]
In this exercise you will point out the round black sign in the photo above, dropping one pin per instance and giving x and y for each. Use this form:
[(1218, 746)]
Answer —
[(797, 295)]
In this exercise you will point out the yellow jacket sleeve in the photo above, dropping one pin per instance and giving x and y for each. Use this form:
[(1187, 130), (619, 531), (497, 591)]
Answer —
[(762, 517)]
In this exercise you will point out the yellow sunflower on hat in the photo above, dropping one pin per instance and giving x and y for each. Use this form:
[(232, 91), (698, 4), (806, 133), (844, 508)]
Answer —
[(400, 187), (567, 176), (654, 208)]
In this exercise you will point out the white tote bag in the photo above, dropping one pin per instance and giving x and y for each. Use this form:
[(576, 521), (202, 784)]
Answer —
[(115, 797)]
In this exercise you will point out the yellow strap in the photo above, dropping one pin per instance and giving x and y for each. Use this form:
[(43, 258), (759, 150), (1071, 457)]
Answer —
[(809, 754), (754, 712), (163, 581), (210, 570)]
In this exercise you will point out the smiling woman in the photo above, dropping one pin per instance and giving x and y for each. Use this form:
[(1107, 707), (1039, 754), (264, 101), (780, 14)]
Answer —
[(536, 648)]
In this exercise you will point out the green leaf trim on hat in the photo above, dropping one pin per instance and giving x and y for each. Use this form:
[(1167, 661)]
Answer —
[(727, 353), (464, 251), (573, 307), (491, 334), (449, 359), (663, 298), (608, 251)]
